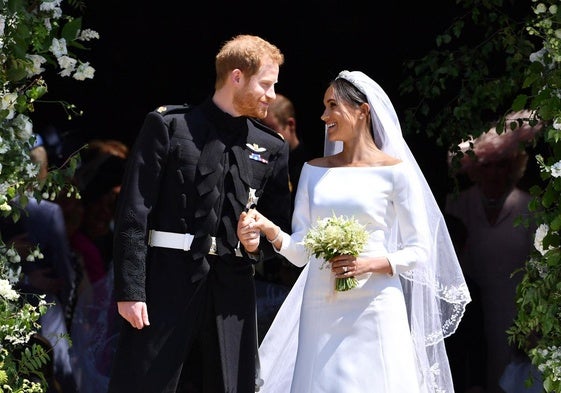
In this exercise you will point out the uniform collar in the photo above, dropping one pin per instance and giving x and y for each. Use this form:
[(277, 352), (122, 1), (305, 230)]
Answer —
[(225, 123)]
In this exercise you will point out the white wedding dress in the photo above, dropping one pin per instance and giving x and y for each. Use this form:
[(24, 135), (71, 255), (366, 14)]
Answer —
[(357, 341)]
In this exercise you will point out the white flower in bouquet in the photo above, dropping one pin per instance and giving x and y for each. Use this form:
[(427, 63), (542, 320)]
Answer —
[(337, 235)]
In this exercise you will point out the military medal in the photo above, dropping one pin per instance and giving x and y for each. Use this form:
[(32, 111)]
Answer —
[(255, 152), (251, 199)]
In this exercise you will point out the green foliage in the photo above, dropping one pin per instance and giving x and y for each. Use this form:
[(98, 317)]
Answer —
[(465, 82), (510, 62), (33, 34)]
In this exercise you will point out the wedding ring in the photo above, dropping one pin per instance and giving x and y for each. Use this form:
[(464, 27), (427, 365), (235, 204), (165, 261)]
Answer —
[(344, 269)]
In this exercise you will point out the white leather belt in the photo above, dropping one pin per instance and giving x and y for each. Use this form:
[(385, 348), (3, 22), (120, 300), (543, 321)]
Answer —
[(179, 241)]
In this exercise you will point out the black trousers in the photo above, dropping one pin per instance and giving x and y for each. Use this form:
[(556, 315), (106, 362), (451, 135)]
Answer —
[(202, 369), (227, 320), (202, 336)]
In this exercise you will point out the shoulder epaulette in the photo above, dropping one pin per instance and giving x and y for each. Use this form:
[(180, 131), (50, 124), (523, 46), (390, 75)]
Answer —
[(263, 127), (173, 109)]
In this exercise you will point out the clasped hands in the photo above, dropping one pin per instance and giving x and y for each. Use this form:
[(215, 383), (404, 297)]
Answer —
[(248, 230)]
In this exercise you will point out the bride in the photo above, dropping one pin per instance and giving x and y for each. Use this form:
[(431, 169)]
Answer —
[(387, 334)]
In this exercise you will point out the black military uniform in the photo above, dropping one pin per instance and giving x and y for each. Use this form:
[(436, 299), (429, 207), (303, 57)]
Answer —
[(190, 175)]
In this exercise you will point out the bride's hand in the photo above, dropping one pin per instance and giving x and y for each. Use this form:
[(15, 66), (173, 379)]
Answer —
[(268, 228), (345, 266), (349, 266)]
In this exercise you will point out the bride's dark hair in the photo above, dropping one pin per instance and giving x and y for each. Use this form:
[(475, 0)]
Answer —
[(347, 92)]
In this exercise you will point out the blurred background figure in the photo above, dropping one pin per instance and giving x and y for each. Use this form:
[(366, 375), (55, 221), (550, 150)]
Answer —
[(496, 246), (99, 180), (89, 219), (466, 348), (42, 225), (276, 276), (281, 117), (94, 325)]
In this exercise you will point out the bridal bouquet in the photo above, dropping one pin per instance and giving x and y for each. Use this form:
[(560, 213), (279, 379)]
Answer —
[(337, 235)]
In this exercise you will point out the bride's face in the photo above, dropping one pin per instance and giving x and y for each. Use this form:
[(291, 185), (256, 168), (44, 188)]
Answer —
[(340, 118)]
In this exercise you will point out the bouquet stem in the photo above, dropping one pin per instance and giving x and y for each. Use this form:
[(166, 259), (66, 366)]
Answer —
[(344, 284)]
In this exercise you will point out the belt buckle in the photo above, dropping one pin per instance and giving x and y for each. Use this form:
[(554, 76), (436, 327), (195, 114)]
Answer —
[(213, 248)]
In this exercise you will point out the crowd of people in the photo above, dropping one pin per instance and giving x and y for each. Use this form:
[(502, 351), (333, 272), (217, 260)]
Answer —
[(182, 266)]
